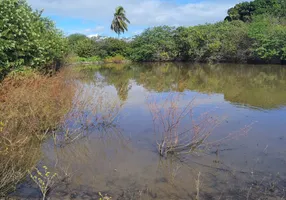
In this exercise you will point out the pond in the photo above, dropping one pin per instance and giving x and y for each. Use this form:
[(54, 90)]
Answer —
[(112, 145)]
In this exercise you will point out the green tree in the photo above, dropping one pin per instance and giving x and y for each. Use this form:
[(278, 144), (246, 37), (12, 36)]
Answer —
[(242, 11), (245, 10), (154, 44), (27, 38), (111, 47), (269, 36), (119, 23), (76, 37), (85, 48)]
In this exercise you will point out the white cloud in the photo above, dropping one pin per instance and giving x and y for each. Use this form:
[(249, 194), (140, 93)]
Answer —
[(99, 29), (140, 13), (92, 35), (90, 32), (137, 32), (87, 30)]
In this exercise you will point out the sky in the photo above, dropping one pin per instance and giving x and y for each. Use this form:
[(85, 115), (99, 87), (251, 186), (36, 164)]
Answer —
[(93, 17)]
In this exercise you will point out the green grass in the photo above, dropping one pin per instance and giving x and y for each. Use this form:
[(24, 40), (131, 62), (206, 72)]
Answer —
[(86, 67), (91, 59), (115, 59)]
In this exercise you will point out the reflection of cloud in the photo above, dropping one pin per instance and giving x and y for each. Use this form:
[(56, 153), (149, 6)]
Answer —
[(138, 95)]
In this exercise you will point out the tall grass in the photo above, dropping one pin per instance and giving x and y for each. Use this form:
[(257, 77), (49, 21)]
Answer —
[(92, 110), (116, 59), (31, 107)]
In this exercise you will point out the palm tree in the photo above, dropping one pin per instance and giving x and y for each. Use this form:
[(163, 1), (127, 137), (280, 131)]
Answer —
[(119, 22)]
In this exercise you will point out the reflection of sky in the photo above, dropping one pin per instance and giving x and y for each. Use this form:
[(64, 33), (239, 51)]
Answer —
[(135, 109), (138, 94), (138, 157), (135, 116)]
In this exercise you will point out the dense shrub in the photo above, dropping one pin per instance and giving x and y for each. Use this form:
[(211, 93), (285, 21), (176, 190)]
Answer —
[(85, 48), (112, 47), (246, 10), (263, 39), (27, 38), (154, 44), (115, 59), (101, 47), (224, 41), (269, 38)]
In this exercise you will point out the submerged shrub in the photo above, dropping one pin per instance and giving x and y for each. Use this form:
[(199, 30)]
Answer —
[(168, 117)]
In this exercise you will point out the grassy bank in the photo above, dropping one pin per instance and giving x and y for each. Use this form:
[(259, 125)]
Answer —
[(32, 106)]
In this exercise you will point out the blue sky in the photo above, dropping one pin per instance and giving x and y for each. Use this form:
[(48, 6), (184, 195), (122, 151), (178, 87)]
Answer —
[(93, 17)]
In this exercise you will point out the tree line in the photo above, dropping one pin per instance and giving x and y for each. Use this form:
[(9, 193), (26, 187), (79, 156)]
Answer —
[(251, 32)]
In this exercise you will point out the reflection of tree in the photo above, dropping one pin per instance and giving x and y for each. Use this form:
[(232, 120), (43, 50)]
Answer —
[(118, 76), (258, 86), (122, 91)]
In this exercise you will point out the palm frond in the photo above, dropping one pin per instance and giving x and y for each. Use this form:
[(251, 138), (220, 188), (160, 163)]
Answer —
[(119, 22)]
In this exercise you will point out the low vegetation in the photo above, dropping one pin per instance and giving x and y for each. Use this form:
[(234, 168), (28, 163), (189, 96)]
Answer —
[(168, 118), (115, 59), (44, 180), (32, 106)]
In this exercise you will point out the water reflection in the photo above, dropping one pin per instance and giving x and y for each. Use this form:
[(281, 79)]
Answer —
[(121, 159), (255, 86)]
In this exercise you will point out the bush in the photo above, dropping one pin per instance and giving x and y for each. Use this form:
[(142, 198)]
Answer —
[(263, 39), (154, 44), (85, 48), (27, 38), (269, 34), (90, 59), (102, 47), (115, 59), (32, 105), (112, 47)]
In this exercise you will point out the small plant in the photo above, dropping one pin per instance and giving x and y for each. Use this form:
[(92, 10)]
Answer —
[(86, 68), (44, 180), (89, 59), (1, 126), (115, 59), (101, 197), (198, 186)]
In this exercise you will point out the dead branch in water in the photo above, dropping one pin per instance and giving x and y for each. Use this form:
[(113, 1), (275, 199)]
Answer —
[(168, 117)]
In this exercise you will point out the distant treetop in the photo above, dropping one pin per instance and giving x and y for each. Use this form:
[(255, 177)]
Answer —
[(245, 10)]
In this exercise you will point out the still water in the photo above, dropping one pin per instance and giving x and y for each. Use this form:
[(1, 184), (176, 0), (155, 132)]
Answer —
[(120, 158)]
